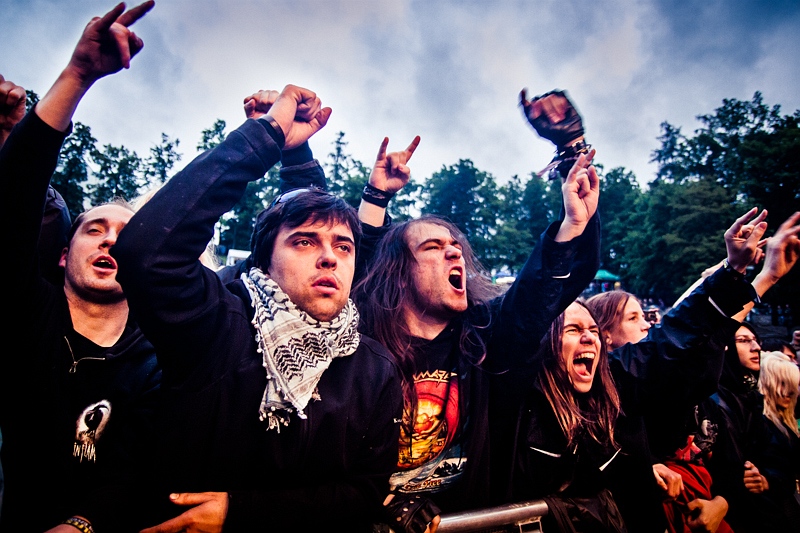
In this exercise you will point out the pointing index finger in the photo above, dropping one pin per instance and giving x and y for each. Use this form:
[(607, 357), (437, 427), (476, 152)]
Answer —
[(135, 13), (108, 19)]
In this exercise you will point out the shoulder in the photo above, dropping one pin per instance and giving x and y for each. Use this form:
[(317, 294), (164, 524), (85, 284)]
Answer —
[(373, 350)]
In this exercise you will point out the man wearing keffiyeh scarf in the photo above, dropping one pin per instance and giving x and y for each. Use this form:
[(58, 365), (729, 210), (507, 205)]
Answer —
[(280, 414), (297, 348)]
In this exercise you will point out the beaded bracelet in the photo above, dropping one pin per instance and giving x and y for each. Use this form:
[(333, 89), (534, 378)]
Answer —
[(84, 526)]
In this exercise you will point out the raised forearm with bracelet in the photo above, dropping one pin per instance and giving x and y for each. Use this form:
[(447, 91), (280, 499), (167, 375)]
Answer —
[(409, 513)]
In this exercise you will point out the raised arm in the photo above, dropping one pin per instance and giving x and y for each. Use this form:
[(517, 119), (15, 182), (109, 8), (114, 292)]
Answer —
[(782, 252), (30, 154), (581, 192), (389, 174), (166, 237), (680, 361)]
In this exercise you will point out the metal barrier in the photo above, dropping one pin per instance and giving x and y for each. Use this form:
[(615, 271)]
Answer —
[(523, 517)]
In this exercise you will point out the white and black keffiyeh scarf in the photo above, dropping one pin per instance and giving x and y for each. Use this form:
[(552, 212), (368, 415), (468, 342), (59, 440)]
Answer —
[(297, 348)]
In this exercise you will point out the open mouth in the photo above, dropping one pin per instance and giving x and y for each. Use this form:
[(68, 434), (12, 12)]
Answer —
[(455, 278), (583, 363), (104, 263)]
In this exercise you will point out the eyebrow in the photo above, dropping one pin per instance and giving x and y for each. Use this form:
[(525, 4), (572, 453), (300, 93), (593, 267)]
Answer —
[(438, 241), (315, 235), (593, 326), (99, 220)]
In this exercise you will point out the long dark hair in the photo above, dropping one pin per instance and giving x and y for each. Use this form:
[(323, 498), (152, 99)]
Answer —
[(384, 292), (598, 409)]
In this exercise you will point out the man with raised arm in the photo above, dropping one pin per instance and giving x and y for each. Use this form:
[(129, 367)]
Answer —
[(78, 398), (425, 298), (278, 415)]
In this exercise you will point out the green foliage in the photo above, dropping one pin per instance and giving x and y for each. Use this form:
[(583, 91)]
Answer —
[(72, 172), (619, 196), (677, 232), (513, 240), (346, 175), (237, 225), (117, 175), (750, 150), (469, 198), (211, 137), (161, 160)]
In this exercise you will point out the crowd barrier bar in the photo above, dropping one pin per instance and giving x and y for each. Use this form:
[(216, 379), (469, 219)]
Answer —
[(525, 517)]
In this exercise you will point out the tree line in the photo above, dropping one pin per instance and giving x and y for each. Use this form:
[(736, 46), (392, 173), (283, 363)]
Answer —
[(658, 239)]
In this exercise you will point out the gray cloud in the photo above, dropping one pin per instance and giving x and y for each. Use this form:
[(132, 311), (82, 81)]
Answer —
[(450, 70)]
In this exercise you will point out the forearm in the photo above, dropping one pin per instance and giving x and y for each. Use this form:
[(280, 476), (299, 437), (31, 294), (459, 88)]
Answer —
[(161, 245), (300, 169), (370, 239), (371, 214), (58, 106), (27, 162), (553, 277), (679, 363)]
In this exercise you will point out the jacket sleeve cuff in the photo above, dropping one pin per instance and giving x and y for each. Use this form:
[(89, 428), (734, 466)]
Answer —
[(729, 292), (297, 156), (307, 174)]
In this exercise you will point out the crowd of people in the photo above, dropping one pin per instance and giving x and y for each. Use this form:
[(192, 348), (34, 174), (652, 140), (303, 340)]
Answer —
[(356, 374)]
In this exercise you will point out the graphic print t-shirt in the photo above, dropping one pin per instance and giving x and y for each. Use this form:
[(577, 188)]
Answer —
[(431, 459)]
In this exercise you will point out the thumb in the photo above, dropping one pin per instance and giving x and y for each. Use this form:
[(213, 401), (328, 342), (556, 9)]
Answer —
[(757, 233), (692, 505), (748, 465), (321, 118)]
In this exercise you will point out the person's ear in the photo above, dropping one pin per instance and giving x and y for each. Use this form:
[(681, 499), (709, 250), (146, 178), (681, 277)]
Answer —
[(62, 262)]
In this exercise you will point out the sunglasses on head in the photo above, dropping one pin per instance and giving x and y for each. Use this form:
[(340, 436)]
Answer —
[(294, 193)]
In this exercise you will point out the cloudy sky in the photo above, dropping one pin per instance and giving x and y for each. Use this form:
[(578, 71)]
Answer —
[(447, 70)]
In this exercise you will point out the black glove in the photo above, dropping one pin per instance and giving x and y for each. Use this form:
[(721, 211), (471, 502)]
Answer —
[(562, 133), (409, 513)]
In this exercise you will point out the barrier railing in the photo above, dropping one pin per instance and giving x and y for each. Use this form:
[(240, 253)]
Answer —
[(518, 517)]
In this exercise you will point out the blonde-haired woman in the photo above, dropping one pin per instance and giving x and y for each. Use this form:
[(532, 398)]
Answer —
[(774, 473)]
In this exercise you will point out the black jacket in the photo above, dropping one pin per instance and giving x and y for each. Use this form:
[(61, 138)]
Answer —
[(53, 375), (331, 468), (668, 372)]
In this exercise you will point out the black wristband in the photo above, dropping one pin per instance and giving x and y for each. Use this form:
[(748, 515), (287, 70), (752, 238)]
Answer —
[(272, 124), (375, 196), (573, 150)]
